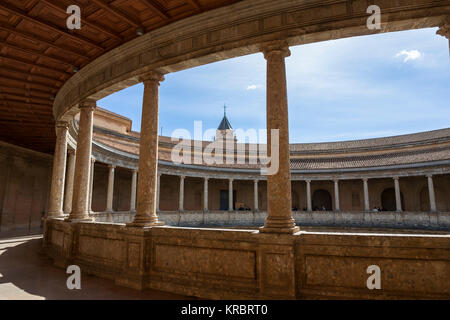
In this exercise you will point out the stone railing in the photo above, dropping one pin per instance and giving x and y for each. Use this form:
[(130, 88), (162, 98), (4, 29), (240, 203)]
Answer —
[(402, 220), (244, 264)]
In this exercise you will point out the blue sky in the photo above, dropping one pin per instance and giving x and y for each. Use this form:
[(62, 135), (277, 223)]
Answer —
[(354, 88)]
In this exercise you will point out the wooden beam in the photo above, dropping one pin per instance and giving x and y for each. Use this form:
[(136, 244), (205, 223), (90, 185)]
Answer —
[(42, 100), (195, 4), (87, 22), (26, 90), (29, 83), (33, 37), (156, 7), (37, 53), (26, 103), (115, 12), (34, 65), (54, 28), (29, 74)]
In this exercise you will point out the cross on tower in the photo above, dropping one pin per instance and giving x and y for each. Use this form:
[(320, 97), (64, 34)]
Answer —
[(224, 110)]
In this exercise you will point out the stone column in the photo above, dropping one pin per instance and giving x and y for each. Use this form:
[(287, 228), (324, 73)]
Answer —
[(91, 184), (255, 195), (148, 154), (69, 182), (444, 30), (133, 191), (230, 195), (181, 198), (366, 194), (59, 171), (158, 191), (279, 204), (336, 195), (398, 199), (308, 196), (110, 194), (80, 209), (431, 193), (205, 194)]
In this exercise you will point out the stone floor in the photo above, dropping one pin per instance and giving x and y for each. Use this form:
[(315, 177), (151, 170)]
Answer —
[(25, 274)]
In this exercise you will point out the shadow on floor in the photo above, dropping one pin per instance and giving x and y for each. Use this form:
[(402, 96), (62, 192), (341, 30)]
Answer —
[(27, 274)]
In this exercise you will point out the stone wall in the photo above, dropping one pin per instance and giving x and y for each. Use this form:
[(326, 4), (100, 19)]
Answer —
[(243, 264), (24, 187)]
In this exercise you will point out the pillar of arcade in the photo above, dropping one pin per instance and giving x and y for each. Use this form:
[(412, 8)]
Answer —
[(398, 198), (205, 194), (59, 171), (431, 193), (110, 194), (80, 210), (279, 206), (308, 196), (133, 190), (68, 193), (148, 154), (366, 194)]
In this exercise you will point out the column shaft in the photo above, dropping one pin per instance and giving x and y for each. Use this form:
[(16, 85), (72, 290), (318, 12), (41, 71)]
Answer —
[(431, 194), (148, 154), (110, 194), (398, 199), (308, 196), (69, 182), (336, 196), (80, 210), (181, 198), (205, 194), (158, 192), (366, 194), (255, 195), (91, 184), (133, 191), (279, 204), (230, 195), (59, 171)]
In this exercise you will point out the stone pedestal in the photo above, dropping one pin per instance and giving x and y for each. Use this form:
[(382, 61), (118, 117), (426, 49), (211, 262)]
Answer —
[(279, 205)]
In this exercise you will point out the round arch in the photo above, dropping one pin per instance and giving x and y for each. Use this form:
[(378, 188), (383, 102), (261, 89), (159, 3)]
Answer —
[(388, 202), (322, 198)]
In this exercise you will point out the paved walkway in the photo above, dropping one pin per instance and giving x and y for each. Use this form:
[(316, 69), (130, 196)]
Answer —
[(26, 274)]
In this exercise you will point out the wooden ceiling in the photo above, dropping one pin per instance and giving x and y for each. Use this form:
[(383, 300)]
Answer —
[(38, 53)]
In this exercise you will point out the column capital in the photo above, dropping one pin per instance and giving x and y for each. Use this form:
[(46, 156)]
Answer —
[(88, 104), (62, 124), (230, 179), (152, 76), (206, 178), (429, 175), (159, 173), (182, 177), (93, 160), (395, 177), (308, 180), (444, 28), (336, 180), (256, 181), (280, 47), (134, 170), (112, 166), (365, 179), (71, 151)]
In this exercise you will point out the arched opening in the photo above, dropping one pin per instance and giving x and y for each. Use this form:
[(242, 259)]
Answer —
[(388, 202), (322, 199)]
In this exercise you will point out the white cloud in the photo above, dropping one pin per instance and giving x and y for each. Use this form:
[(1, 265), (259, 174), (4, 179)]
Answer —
[(410, 55), (253, 86)]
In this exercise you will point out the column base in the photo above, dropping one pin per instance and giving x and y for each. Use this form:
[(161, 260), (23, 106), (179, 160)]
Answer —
[(284, 225), (144, 224), (79, 218), (279, 230), (55, 214)]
